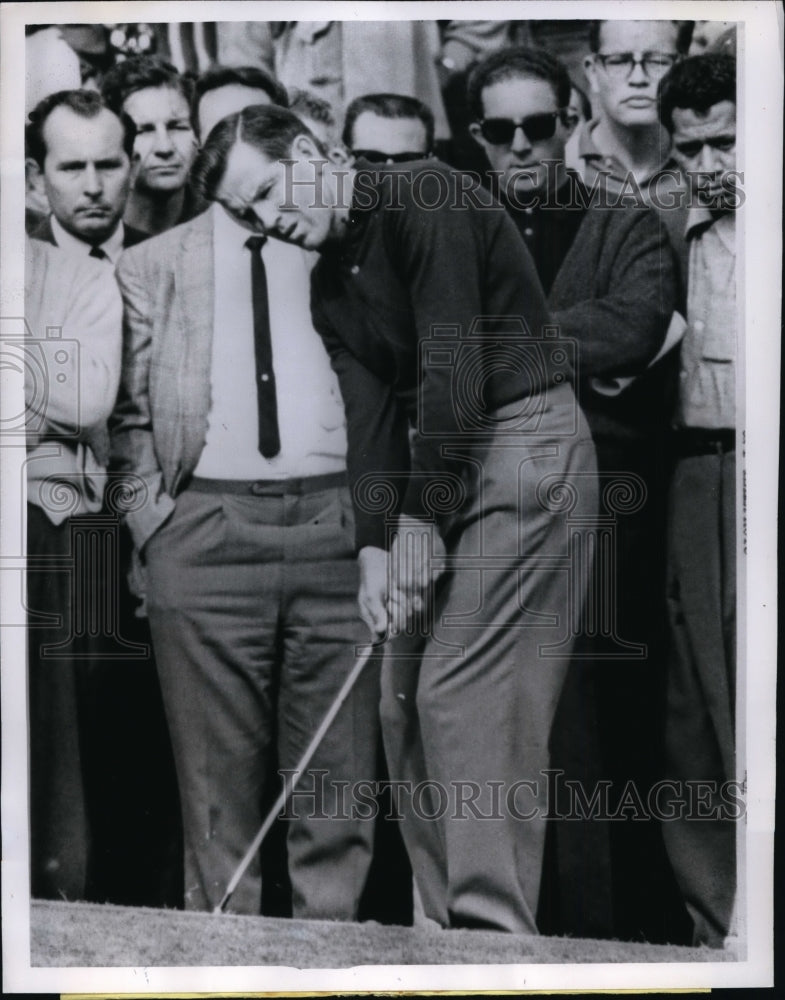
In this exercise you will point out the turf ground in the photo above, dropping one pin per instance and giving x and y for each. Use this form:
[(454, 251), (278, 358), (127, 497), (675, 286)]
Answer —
[(84, 934)]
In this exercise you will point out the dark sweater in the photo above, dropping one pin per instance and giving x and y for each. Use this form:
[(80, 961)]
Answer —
[(395, 303), (614, 293)]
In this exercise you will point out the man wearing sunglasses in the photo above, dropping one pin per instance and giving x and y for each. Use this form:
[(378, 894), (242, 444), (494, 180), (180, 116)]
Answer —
[(609, 275), (626, 140), (388, 128)]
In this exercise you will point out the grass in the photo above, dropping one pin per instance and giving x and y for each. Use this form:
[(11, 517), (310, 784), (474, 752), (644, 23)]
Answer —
[(91, 935)]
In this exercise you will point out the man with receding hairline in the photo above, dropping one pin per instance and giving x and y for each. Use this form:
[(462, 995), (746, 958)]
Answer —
[(81, 152)]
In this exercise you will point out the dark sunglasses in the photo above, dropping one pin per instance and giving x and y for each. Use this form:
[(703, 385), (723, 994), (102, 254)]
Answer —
[(536, 128), (375, 156)]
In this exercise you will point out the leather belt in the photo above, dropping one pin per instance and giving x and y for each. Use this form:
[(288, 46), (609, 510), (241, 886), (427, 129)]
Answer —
[(690, 441), (296, 486)]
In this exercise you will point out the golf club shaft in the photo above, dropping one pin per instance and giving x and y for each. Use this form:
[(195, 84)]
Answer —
[(289, 786)]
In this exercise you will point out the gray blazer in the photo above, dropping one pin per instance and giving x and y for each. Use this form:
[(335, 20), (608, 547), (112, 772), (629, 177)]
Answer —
[(159, 424)]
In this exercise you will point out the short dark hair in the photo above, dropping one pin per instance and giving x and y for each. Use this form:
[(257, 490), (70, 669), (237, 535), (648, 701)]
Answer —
[(583, 99), (683, 34), (246, 76), (512, 64), (138, 73), (86, 104), (266, 127), (697, 84), (389, 106), (303, 102)]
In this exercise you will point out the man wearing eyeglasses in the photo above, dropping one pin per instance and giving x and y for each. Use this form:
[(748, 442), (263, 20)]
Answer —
[(388, 128), (610, 278), (625, 143)]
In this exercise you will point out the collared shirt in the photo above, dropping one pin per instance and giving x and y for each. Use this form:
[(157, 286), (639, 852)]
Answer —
[(311, 420), (549, 230), (112, 247), (583, 155), (74, 322), (707, 382)]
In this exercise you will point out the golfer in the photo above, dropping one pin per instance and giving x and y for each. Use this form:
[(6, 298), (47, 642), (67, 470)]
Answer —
[(468, 454)]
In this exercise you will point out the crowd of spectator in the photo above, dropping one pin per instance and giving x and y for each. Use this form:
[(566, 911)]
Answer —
[(248, 361)]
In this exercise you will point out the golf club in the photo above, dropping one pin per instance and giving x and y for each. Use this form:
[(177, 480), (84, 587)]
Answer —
[(302, 764)]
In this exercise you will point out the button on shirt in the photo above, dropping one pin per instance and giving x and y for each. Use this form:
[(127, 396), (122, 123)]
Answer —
[(707, 384), (311, 418), (112, 247)]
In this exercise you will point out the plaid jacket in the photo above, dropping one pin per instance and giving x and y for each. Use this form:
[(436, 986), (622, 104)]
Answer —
[(158, 427)]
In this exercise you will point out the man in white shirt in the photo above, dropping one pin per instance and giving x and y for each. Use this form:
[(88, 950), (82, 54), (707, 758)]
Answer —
[(82, 153), (72, 343), (231, 415)]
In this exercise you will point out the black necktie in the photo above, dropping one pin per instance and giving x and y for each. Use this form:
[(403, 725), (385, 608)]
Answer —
[(98, 253), (269, 440)]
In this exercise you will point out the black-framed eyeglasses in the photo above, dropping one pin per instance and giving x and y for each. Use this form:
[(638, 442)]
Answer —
[(376, 156), (536, 128), (622, 64)]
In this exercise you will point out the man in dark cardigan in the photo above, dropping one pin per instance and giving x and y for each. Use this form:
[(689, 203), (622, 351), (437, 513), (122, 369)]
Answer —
[(610, 278)]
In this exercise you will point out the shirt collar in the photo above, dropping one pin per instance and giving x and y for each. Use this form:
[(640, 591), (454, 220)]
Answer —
[(700, 218), (589, 151), (112, 247), (228, 231)]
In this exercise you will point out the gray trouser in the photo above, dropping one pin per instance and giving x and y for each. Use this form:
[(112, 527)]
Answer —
[(467, 710), (702, 684), (252, 604)]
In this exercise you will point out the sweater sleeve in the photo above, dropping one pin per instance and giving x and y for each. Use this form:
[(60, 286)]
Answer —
[(377, 432), (620, 327)]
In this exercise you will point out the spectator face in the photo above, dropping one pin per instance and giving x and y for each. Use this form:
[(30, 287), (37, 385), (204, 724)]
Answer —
[(222, 101), (289, 202), (86, 172), (532, 106), (627, 93), (389, 137), (704, 145), (165, 144)]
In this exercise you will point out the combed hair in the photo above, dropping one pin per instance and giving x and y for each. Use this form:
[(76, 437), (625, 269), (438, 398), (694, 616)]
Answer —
[(246, 76), (270, 129), (388, 106), (683, 36), (86, 104), (696, 84), (515, 63), (303, 102), (138, 73)]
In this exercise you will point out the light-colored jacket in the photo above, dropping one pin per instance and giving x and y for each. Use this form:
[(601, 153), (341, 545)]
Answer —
[(71, 350)]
